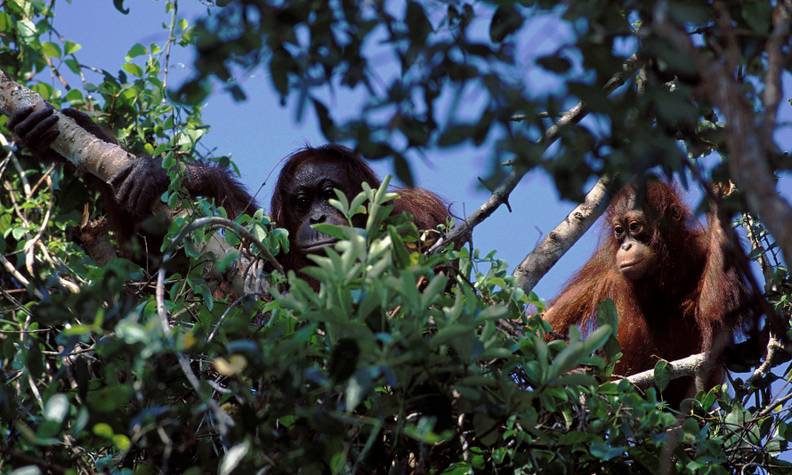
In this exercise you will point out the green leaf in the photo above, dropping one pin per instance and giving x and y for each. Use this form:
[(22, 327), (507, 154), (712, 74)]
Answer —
[(193, 92), (455, 134), (133, 69), (662, 374), (575, 379), (279, 71), (119, 5), (506, 20), (554, 63), (26, 28), (109, 398), (597, 338), (575, 438), (567, 358), (486, 429), (75, 96), (758, 15), (50, 49), (121, 442), (450, 333), (6, 23), (70, 47), (418, 26), (136, 50), (605, 452), (332, 230), (691, 12), (73, 65), (103, 429)]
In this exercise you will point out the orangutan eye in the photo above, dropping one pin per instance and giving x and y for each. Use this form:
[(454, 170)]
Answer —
[(618, 231), (635, 227), (301, 201)]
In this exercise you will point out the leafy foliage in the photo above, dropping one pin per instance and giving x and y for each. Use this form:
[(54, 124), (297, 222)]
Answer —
[(395, 360), (420, 99)]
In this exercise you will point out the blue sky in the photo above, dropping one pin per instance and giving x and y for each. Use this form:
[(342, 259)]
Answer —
[(259, 132)]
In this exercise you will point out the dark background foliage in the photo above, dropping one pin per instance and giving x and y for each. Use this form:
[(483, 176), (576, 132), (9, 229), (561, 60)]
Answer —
[(403, 361)]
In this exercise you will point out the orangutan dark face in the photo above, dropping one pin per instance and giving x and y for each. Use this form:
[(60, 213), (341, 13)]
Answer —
[(308, 204)]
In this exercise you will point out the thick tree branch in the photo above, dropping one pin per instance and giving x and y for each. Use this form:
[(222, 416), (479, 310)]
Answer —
[(775, 67), (690, 365), (501, 194), (559, 240), (86, 151), (687, 366), (748, 164)]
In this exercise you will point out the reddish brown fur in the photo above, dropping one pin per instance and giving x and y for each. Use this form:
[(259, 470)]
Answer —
[(427, 209), (693, 296)]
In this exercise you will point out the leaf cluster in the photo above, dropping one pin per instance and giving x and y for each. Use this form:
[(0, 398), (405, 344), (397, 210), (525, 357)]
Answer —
[(388, 359)]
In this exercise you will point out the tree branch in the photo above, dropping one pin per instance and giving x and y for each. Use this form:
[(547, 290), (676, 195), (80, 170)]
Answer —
[(221, 418), (501, 194), (84, 150), (544, 256), (774, 345), (105, 160), (687, 366), (775, 66)]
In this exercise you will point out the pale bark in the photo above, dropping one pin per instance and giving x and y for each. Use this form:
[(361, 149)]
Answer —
[(687, 366), (559, 240), (86, 151)]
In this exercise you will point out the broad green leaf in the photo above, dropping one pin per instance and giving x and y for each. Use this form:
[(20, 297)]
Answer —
[(136, 50), (70, 47), (51, 49), (662, 374), (133, 69), (758, 15)]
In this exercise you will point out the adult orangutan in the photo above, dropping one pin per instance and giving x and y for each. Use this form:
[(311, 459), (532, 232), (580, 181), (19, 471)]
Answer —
[(673, 285), (306, 183), (299, 200)]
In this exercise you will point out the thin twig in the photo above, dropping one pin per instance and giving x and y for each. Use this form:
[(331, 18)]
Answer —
[(169, 44), (216, 221), (501, 194), (56, 73), (222, 419)]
